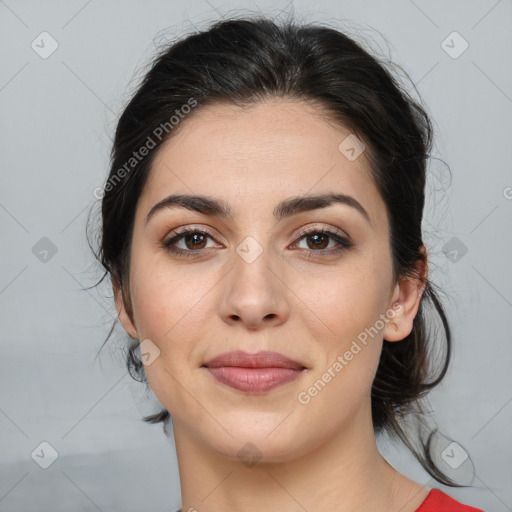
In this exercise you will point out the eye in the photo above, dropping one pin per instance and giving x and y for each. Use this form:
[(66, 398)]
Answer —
[(318, 241), (192, 240)]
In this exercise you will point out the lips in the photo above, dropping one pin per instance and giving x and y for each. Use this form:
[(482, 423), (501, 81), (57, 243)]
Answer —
[(254, 373), (262, 359)]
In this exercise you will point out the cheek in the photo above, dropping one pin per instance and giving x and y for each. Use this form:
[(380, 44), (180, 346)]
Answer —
[(349, 343), (166, 296), (345, 300), (171, 314), (174, 308), (347, 305), (350, 337)]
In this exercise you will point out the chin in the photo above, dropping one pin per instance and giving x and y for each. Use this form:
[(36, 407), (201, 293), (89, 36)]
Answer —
[(259, 441)]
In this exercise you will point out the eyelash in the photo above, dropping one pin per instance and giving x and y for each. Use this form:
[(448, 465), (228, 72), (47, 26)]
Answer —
[(344, 243)]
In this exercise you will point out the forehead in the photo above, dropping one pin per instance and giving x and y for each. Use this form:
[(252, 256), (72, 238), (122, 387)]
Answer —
[(256, 156)]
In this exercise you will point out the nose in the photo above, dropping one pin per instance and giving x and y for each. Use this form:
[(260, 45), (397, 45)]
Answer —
[(254, 294)]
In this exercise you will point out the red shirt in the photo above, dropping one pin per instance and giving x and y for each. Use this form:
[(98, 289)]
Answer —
[(438, 501)]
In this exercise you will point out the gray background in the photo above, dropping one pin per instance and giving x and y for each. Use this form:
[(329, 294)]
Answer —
[(57, 117)]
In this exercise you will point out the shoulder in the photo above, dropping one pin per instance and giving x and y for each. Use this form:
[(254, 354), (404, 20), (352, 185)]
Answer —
[(438, 501)]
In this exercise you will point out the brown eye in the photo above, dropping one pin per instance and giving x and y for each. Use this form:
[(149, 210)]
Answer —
[(188, 241), (318, 241), (323, 242), (195, 241)]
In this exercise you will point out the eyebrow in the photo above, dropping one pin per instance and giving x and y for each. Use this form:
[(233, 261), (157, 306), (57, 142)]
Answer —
[(287, 208)]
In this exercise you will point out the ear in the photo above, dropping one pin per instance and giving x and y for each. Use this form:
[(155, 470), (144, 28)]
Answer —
[(122, 311), (405, 302)]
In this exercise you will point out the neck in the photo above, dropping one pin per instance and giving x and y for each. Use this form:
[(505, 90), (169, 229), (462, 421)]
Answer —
[(344, 473)]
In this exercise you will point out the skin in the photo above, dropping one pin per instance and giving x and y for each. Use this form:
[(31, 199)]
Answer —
[(316, 456)]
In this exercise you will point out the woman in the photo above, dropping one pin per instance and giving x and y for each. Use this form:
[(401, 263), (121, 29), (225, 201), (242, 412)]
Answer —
[(262, 230)]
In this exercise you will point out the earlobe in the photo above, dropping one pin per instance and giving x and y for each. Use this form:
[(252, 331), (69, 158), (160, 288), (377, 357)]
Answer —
[(406, 301), (123, 314)]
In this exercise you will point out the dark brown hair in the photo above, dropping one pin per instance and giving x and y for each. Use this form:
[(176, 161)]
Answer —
[(246, 60)]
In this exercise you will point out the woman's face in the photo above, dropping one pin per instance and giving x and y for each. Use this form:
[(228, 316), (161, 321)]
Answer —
[(254, 281)]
